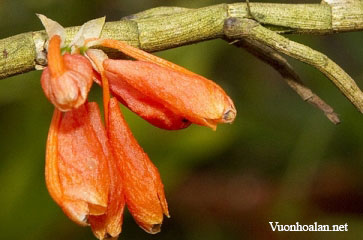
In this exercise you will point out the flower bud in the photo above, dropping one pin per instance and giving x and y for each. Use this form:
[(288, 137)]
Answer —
[(67, 79), (190, 96), (110, 223), (77, 175), (143, 189)]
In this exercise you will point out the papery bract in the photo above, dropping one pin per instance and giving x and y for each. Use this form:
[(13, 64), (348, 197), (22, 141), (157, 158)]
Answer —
[(144, 191), (192, 97), (76, 170), (67, 79)]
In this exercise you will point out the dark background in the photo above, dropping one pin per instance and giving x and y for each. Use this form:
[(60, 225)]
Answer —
[(281, 160)]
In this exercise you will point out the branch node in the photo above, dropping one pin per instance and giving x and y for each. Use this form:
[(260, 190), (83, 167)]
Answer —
[(40, 52)]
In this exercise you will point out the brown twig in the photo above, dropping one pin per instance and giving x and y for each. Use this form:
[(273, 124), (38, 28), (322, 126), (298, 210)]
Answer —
[(281, 65)]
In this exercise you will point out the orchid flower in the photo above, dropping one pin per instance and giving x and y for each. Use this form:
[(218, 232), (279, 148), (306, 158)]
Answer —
[(93, 169)]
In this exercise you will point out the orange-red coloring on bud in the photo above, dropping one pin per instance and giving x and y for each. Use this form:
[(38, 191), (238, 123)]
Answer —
[(92, 170), (76, 170), (82, 175), (147, 108), (67, 79), (143, 189), (190, 97), (180, 93)]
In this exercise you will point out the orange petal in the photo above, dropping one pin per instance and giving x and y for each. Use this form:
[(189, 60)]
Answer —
[(108, 224), (193, 97), (77, 174), (150, 110), (51, 156), (144, 191), (82, 163)]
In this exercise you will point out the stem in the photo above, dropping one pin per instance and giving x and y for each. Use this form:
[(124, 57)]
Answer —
[(106, 97), (97, 57), (142, 55), (168, 27), (282, 66), (55, 58)]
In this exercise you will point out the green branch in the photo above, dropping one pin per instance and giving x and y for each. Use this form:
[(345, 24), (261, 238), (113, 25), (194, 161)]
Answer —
[(168, 27)]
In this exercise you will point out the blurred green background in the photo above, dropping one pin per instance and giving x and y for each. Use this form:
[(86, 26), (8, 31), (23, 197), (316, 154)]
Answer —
[(281, 160)]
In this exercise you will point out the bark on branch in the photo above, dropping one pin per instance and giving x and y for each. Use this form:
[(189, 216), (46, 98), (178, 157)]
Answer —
[(168, 27)]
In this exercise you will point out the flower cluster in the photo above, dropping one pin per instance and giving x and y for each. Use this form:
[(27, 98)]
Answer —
[(93, 170)]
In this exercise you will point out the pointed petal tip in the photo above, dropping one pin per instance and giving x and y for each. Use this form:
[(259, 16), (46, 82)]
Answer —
[(156, 228), (109, 237), (77, 217), (151, 228), (83, 221), (97, 209), (164, 206), (105, 236), (210, 123)]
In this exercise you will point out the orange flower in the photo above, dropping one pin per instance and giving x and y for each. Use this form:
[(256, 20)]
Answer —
[(82, 175), (76, 169), (165, 94), (67, 79), (93, 170), (144, 191), (142, 186), (191, 97), (110, 223)]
